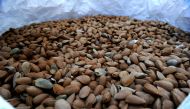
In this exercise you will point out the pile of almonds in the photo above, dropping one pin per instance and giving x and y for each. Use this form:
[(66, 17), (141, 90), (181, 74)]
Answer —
[(100, 62)]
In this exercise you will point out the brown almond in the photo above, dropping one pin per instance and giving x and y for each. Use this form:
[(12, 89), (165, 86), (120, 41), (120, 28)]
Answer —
[(133, 58), (163, 92), (185, 90), (24, 80), (50, 101), (159, 64), (67, 81), (181, 76), (90, 100), (117, 56), (93, 84), (60, 64), (39, 98), (178, 96), (103, 80), (6, 94), (127, 80), (169, 70), (58, 75), (123, 66), (71, 98), (142, 66), (123, 74), (84, 79), (126, 52), (42, 64), (34, 68), (75, 82), (149, 63), (172, 80), (84, 92), (111, 69), (36, 75), (138, 87), (58, 89), (70, 89), (147, 97), (122, 94), (2, 63), (3, 73), (51, 53), (141, 81), (6, 86), (164, 84), (33, 91), (20, 88), (167, 51), (167, 104), (78, 104), (181, 70), (98, 89), (133, 99), (42, 51), (151, 89), (106, 97)]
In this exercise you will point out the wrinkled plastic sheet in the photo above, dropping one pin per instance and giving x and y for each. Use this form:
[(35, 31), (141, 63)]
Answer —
[(17, 13)]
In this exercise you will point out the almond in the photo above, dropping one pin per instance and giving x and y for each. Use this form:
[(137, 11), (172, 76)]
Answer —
[(6, 94), (164, 84), (84, 79), (151, 89), (169, 70), (90, 100), (33, 91), (133, 99), (39, 98), (58, 89), (70, 89), (84, 92), (24, 80)]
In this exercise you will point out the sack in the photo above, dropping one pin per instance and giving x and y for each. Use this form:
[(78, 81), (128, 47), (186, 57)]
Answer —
[(23, 12)]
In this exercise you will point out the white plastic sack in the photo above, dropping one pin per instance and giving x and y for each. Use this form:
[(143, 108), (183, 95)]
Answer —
[(16, 13)]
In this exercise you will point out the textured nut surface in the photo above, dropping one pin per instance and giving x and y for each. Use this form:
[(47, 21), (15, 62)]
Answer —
[(109, 62)]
